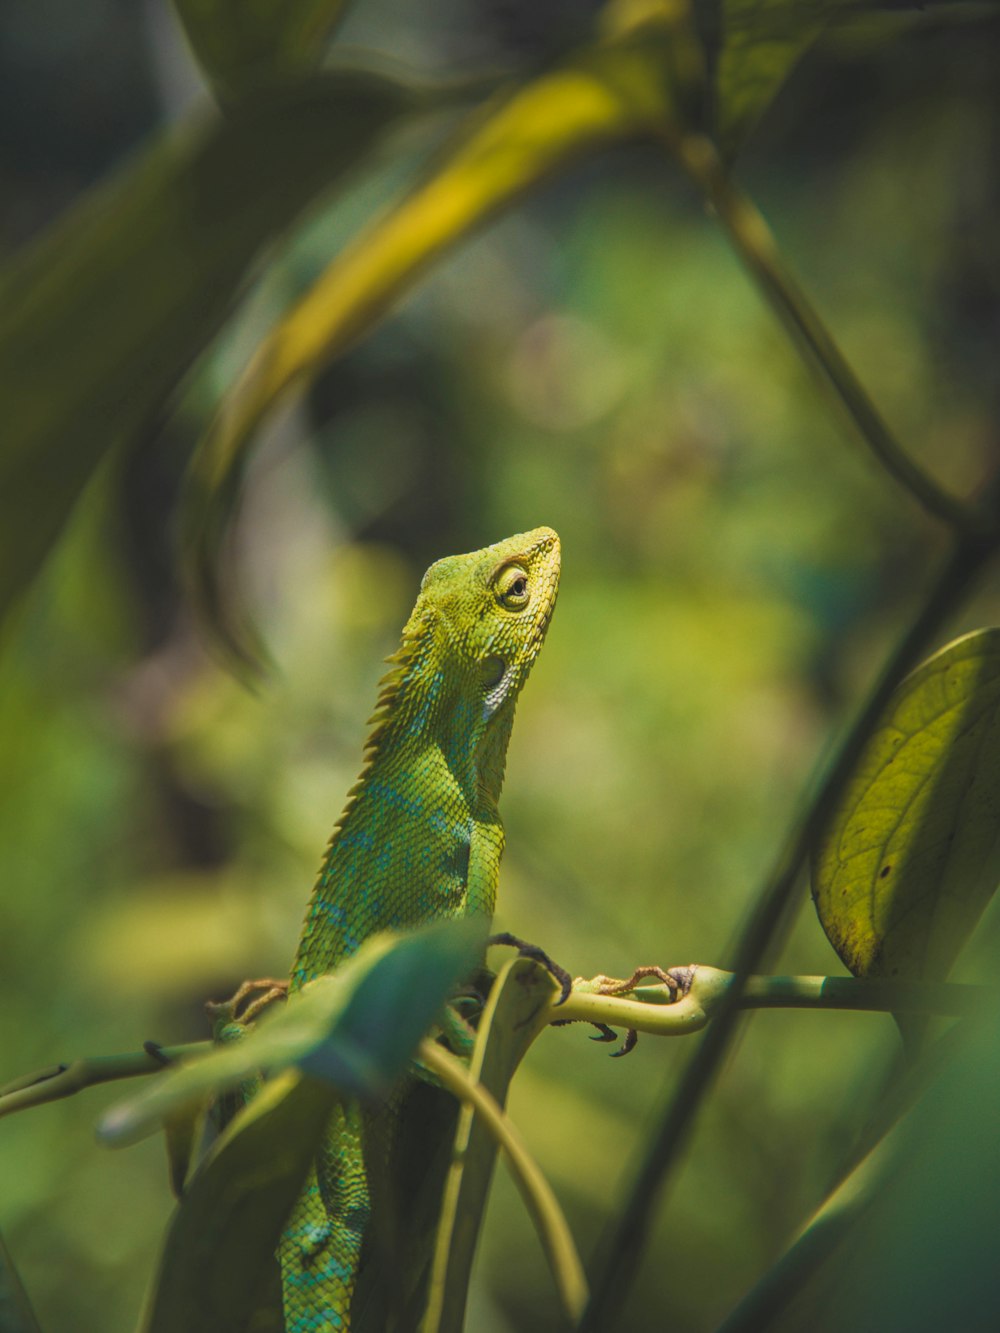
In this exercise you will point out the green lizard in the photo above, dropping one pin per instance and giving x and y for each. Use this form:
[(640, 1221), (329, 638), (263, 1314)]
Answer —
[(420, 839)]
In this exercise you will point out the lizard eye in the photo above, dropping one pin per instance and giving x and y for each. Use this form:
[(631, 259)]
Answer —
[(512, 588)]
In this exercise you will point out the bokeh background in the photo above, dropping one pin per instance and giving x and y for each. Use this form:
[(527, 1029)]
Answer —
[(735, 566)]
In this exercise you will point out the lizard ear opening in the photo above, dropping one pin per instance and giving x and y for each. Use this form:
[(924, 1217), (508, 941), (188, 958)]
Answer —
[(491, 670), (496, 680)]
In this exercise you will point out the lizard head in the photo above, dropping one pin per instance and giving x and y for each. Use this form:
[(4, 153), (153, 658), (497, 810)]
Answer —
[(495, 605)]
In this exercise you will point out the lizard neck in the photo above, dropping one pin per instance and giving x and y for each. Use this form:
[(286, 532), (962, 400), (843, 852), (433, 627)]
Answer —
[(432, 775), (431, 699), (444, 712)]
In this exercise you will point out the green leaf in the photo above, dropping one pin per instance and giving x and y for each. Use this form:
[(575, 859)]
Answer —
[(103, 316), (16, 1314), (757, 44), (516, 1012), (912, 855), (761, 41), (614, 91), (356, 1028), (242, 44), (218, 1257), (395, 1002)]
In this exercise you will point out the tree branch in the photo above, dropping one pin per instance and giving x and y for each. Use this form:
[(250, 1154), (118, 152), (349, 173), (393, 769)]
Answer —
[(651, 1010), (58, 1081)]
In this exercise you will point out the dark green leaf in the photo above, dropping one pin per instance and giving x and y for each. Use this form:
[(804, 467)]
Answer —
[(760, 43), (218, 1257), (755, 44), (912, 855), (16, 1314), (394, 1003), (101, 318), (241, 45)]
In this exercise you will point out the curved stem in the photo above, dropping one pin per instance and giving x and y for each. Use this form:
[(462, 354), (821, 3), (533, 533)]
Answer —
[(649, 1009), (546, 1214), (753, 241)]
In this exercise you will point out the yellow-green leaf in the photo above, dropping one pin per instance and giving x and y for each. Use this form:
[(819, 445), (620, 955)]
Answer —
[(517, 1011), (912, 855), (102, 317), (613, 91), (241, 44)]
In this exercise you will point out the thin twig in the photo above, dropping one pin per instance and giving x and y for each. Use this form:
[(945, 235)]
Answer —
[(753, 241), (948, 999), (58, 1081)]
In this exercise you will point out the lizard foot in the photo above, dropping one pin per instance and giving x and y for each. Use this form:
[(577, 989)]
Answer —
[(677, 980), (526, 950), (248, 1001)]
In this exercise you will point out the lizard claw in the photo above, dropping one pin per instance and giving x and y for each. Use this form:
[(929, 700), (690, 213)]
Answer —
[(604, 1033), (629, 1044), (526, 950)]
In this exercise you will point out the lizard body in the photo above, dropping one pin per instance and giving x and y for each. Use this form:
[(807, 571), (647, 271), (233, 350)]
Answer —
[(419, 840)]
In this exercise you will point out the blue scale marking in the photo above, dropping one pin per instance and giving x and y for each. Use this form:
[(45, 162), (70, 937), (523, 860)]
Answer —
[(389, 796), (360, 838)]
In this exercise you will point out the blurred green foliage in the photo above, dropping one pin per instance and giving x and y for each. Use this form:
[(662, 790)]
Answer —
[(734, 565)]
